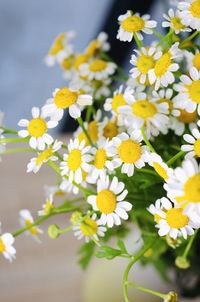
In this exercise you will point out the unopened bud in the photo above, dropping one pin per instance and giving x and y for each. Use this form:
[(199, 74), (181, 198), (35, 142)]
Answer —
[(76, 217), (182, 262), (171, 297), (53, 231)]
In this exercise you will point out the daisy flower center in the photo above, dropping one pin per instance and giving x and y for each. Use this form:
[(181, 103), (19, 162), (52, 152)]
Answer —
[(92, 47), (82, 137), (194, 91), (64, 98), (192, 188), (133, 24), (145, 63), (162, 64), (98, 65), (160, 170), (2, 246), (67, 63), (144, 109), (195, 8), (106, 201), (48, 207), (37, 127), (176, 219), (74, 160), (80, 59), (118, 101), (129, 151), (169, 102), (197, 147), (89, 227), (57, 46), (32, 230), (187, 117), (110, 130), (196, 61), (45, 155), (100, 158), (93, 131), (176, 22)]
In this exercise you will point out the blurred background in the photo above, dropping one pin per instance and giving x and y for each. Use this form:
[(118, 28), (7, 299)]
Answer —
[(48, 271)]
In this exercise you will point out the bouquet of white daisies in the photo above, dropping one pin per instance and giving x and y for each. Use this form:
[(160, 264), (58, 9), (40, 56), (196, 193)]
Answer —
[(134, 158)]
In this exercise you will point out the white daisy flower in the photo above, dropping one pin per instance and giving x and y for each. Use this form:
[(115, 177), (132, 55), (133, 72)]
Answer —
[(193, 146), (173, 20), (89, 228), (66, 98), (118, 99), (134, 84), (36, 162), (144, 61), (67, 187), (76, 161), (109, 201), (154, 209), (128, 152), (37, 129), (190, 13), (131, 25), (97, 69), (155, 161), (6, 245), (174, 221), (188, 97), (47, 207), (141, 111), (184, 186), (193, 60), (101, 43), (109, 127), (26, 220), (162, 73), (55, 191), (60, 49), (101, 162)]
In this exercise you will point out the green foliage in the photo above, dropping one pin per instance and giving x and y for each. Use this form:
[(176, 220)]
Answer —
[(85, 253), (111, 253)]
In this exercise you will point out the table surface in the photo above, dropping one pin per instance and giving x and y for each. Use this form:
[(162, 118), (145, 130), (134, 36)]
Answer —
[(47, 271)]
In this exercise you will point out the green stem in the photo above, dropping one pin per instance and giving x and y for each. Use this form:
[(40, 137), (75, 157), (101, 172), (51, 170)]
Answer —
[(189, 245), (156, 33), (190, 37), (146, 290), (147, 142), (80, 121), (146, 171), (8, 131), (17, 150), (170, 33), (138, 42), (175, 157), (13, 140), (134, 259)]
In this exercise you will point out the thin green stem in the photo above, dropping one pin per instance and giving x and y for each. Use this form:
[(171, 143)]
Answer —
[(146, 290), (146, 171), (13, 140), (138, 42), (165, 38), (189, 245), (156, 33), (134, 259), (80, 121), (190, 37), (8, 131), (175, 157), (147, 142)]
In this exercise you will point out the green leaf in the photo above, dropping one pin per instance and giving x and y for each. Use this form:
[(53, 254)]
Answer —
[(122, 246), (85, 253), (108, 252)]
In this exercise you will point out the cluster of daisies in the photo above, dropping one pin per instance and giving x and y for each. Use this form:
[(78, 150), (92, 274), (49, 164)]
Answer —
[(161, 96)]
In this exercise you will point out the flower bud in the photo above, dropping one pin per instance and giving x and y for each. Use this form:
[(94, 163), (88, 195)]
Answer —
[(182, 262), (173, 243), (53, 231), (76, 217), (171, 297)]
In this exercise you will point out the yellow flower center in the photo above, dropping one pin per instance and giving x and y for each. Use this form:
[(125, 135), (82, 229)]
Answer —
[(176, 219), (64, 98), (197, 147), (106, 201), (67, 63), (74, 160), (92, 48), (37, 127), (93, 131), (48, 207), (57, 46), (2, 246), (162, 64), (110, 130), (195, 9), (160, 170), (129, 151), (133, 24), (118, 101), (144, 109), (44, 156), (98, 65), (100, 159), (89, 227), (186, 117), (176, 22), (145, 63), (34, 231), (82, 137), (192, 189), (79, 60), (196, 61), (194, 91)]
